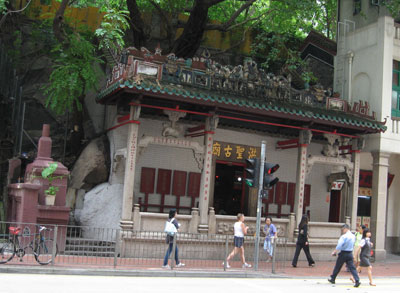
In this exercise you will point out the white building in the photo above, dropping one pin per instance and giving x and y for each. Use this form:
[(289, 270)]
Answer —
[(367, 67)]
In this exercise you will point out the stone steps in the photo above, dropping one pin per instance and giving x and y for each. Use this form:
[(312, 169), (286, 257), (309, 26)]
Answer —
[(89, 253), (89, 247)]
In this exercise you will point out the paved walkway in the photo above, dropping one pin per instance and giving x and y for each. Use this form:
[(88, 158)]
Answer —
[(379, 269), (388, 268)]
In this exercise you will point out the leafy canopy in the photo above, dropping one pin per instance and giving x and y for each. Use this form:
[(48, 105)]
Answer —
[(278, 25), (112, 29), (73, 73)]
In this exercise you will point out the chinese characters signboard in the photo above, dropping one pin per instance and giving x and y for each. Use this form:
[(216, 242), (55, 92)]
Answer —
[(337, 185), (365, 191), (234, 152)]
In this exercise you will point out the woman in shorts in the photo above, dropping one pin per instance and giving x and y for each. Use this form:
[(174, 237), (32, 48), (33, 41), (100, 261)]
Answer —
[(239, 231)]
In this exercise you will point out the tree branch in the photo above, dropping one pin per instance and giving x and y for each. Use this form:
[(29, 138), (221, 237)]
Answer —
[(228, 25), (238, 43), (225, 28), (239, 11), (3, 19)]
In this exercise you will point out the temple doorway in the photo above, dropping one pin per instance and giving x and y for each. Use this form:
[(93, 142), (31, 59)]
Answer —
[(229, 190), (334, 206)]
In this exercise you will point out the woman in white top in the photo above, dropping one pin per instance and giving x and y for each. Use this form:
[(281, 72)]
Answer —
[(239, 231), (364, 250)]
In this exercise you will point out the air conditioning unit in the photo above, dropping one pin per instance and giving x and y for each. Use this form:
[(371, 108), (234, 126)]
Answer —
[(376, 2)]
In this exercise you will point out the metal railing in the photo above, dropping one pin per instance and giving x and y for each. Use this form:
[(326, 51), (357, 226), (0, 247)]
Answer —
[(106, 247)]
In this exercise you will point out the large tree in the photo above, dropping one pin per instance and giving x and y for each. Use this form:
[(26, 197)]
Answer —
[(73, 73), (226, 15), (181, 29), (195, 17)]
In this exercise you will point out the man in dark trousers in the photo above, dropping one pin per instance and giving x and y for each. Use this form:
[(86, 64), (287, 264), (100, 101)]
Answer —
[(345, 246)]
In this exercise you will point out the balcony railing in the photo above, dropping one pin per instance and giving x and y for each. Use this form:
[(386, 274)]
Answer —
[(395, 125)]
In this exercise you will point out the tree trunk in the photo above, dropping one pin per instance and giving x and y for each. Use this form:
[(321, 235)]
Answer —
[(188, 43), (137, 24), (58, 20)]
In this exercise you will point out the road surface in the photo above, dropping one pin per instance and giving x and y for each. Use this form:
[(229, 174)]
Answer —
[(18, 283)]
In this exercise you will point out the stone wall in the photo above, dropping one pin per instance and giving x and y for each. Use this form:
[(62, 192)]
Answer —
[(149, 242)]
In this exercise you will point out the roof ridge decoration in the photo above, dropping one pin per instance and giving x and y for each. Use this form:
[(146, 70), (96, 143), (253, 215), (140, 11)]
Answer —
[(224, 82)]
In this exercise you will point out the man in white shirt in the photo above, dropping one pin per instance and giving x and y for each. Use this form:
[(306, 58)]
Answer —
[(345, 246)]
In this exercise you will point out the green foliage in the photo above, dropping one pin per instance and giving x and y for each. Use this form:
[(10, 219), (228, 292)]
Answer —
[(394, 8), (288, 21), (112, 29), (47, 173), (52, 190), (42, 34), (285, 25), (280, 51), (49, 170), (73, 73), (299, 17), (3, 6), (223, 11)]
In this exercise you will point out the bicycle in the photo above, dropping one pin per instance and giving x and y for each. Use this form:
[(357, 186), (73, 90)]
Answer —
[(42, 248)]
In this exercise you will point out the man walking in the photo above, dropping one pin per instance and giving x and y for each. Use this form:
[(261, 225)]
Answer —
[(345, 246)]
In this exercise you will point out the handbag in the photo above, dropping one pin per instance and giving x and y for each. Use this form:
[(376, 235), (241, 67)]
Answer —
[(170, 228)]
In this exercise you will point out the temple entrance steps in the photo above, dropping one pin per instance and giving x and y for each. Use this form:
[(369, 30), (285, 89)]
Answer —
[(89, 247), (85, 241)]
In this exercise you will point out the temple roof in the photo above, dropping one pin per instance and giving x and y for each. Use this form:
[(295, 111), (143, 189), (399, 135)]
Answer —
[(319, 40), (244, 91)]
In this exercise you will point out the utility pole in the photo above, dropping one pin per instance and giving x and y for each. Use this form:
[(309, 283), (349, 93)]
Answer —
[(260, 188)]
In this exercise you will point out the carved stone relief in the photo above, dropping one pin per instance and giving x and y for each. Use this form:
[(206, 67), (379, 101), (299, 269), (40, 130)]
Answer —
[(213, 123), (360, 143), (347, 163), (172, 129), (331, 148), (198, 150), (305, 137)]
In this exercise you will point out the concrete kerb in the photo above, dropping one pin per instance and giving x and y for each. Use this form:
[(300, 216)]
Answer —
[(134, 273), (9, 269)]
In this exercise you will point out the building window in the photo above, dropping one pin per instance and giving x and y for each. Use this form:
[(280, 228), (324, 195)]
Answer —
[(357, 7), (396, 89)]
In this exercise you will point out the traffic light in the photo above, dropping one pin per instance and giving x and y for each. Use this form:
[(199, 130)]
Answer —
[(252, 172), (269, 179)]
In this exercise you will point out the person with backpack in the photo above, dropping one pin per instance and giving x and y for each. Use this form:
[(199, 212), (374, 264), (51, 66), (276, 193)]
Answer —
[(302, 243), (170, 241)]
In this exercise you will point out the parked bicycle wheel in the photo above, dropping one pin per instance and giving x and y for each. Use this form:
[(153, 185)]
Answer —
[(44, 252), (7, 251)]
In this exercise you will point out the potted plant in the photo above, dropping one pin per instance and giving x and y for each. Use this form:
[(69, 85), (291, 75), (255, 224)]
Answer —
[(51, 191)]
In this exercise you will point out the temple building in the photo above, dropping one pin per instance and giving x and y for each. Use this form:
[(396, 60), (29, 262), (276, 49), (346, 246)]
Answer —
[(180, 131)]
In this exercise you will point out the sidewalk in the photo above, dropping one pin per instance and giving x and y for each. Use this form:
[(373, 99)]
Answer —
[(388, 268)]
